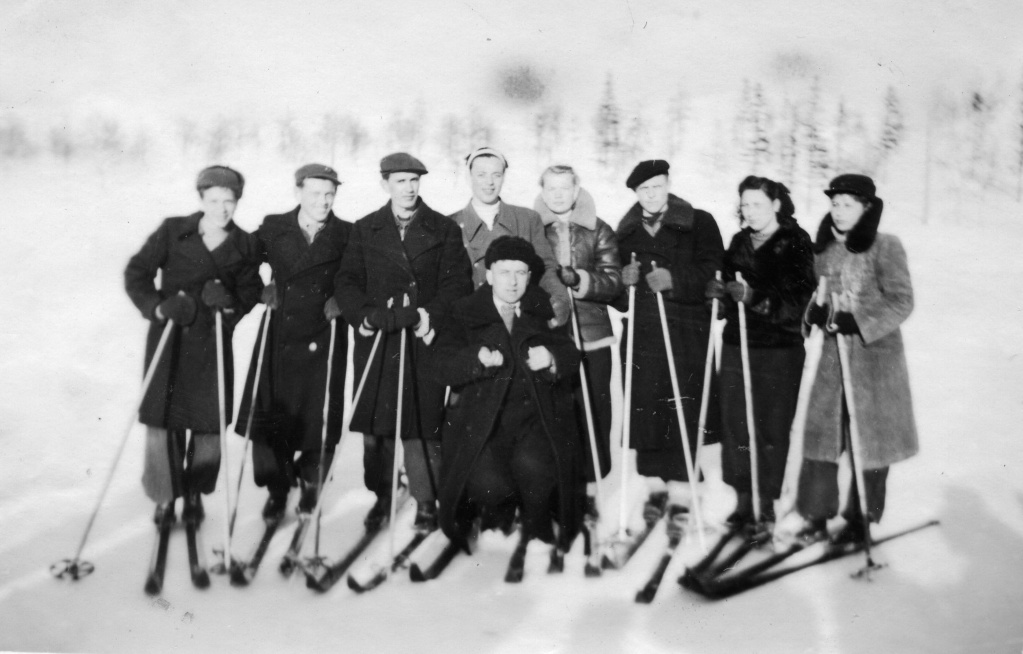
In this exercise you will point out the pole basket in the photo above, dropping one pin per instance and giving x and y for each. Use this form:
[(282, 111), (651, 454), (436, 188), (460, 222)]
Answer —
[(315, 567), (73, 569)]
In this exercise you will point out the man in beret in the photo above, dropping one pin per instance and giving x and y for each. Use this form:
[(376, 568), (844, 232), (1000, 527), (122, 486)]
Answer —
[(304, 248), (404, 249), (510, 443), (206, 264), (487, 217), (677, 249)]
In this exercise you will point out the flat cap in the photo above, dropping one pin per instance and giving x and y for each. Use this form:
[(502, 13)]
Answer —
[(401, 162), (852, 184), (644, 170), (220, 176), (316, 171), (485, 151), (515, 248)]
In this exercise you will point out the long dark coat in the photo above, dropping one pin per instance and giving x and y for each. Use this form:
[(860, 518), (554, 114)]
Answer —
[(183, 392), (689, 245), (293, 379), (431, 266), (871, 275), (475, 322)]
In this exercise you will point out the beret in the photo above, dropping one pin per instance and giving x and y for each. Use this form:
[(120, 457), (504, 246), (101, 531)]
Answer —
[(645, 170), (316, 171), (401, 162), (220, 176)]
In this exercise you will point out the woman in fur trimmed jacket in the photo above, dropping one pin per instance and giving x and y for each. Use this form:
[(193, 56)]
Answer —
[(869, 273), (774, 256)]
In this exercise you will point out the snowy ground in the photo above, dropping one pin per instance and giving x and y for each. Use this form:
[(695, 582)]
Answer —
[(69, 372)]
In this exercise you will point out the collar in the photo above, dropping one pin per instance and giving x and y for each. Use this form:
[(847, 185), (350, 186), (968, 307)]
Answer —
[(487, 213), (584, 211), (310, 226), (515, 305), (678, 215)]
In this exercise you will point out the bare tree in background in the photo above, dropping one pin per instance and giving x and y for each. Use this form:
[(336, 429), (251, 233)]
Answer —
[(547, 131), (675, 127), (331, 131), (983, 106), (1019, 144), (892, 130), (453, 140), (290, 143), (818, 164), (634, 141), (355, 136), (14, 141), (608, 127), (222, 137), (62, 143), (788, 150), (760, 125), (481, 130), (188, 135)]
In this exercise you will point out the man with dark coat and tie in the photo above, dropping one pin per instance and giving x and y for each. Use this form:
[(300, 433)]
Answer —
[(404, 249)]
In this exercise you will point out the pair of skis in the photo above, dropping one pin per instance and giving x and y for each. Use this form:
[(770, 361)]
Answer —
[(158, 562)]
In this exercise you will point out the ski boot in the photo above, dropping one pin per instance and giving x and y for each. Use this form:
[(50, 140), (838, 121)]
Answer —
[(852, 533), (379, 513), (653, 510), (814, 530), (426, 517), (276, 503), (164, 515), (678, 518), (193, 513)]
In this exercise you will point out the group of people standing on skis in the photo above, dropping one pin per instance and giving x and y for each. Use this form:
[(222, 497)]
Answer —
[(482, 350)]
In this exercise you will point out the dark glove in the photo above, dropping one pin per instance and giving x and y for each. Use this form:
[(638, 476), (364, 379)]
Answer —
[(569, 277), (817, 314), (630, 274), (659, 280), (382, 319), (215, 296), (179, 308), (405, 317), (715, 290), (270, 297), (331, 310), (740, 292), (844, 323)]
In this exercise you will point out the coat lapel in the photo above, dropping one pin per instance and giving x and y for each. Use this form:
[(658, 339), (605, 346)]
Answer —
[(386, 241), (191, 245), (422, 233)]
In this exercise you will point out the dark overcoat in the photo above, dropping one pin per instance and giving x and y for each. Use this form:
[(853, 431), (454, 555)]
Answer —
[(476, 322), (689, 245), (431, 266), (293, 379), (870, 274), (183, 391)]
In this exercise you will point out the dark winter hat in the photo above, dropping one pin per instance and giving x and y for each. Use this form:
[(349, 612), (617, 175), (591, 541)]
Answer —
[(401, 162), (514, 248), (220, 176), (316, 171), (644, 170), (852, 184)]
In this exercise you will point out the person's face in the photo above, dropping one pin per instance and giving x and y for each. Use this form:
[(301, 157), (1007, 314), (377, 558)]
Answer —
[(846, 211), (403, 189), (559, 192), (218, 205), (509, 280), (487, 177), (653, 193), (758, 210), (316, 197)]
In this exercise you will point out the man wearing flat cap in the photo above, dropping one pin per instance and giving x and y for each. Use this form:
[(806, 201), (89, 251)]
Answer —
[(206, 264), (677, 249), (404, 249), (488, 217), (304, 248)]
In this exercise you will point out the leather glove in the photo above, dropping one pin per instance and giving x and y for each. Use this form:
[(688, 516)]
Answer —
[(630, 274), (378, 318), (331, 310), (817, 314), (215, 296), (569, 277), (740, 292), (405, 317), (179, 308), (659, 280), (270, 297), (843, 322), (715, 290)]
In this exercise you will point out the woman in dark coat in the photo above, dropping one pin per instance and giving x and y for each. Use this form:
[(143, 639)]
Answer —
[(869, 273), (207, 264), (775, 258)]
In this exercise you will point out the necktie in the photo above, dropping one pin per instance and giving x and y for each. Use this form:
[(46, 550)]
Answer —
[(508, 315)]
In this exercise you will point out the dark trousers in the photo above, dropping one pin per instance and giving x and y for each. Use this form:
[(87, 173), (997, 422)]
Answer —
[(774, 377), (173, 467), (422, 467), (517, 467), (818, 492), (279, 468), (597, 364)]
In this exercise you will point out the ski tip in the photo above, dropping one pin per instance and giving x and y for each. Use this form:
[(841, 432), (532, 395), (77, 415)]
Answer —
[(415, 573), (608, 564), (153, 587), (592, 570), (646, 596), (200, 579), (355, 585), (240, 576)]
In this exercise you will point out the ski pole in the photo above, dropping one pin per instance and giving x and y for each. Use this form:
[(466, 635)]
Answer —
[(323, 432), (678, 414), (856, 450), (398, 446), (623, 507), (747, 385), (252, 411), (228, 561), (75, 568), (701, 427)]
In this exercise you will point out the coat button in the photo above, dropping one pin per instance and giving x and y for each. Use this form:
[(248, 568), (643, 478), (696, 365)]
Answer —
[(312, 347), (412, 285)]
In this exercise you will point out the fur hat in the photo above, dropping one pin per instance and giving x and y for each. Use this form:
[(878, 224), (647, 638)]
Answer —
[(515, 248)]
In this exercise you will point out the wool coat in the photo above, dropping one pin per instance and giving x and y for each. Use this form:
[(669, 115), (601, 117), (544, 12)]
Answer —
[(592, 249), (431, 266), (475, 322), (293, 378), (183, 391), (688, 244), (870, 274), (512, 221)]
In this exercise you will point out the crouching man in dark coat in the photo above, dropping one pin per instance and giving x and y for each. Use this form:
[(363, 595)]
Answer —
[(510, 442)]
